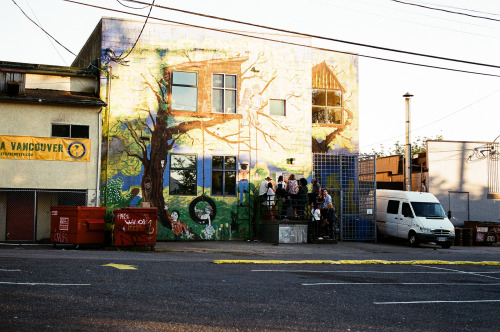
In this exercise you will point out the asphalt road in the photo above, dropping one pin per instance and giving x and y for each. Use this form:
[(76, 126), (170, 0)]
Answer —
[(178, 287)]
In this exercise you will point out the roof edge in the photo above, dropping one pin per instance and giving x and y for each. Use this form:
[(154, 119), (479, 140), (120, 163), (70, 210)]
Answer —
[(33, 68)]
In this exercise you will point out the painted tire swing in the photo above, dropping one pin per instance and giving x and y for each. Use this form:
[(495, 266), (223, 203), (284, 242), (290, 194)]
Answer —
[(200, 216)]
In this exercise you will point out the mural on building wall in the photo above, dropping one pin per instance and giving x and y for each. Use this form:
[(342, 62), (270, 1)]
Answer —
[(194, 129), (332, 118)]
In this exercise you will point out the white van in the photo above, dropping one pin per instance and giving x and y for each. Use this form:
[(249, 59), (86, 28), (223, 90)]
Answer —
[(416, 216)]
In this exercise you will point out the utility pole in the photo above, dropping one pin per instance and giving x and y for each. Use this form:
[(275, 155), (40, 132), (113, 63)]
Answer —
[(407, 97)]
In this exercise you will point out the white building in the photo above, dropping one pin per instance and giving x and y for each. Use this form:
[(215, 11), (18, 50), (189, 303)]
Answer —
[(49, 145), (458, 177)]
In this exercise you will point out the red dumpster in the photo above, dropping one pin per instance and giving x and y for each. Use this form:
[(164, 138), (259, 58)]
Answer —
[(77, 224), (135, 226)]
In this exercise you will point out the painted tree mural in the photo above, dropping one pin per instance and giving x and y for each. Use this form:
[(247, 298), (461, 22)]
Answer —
[(148, 126), (150, 135)]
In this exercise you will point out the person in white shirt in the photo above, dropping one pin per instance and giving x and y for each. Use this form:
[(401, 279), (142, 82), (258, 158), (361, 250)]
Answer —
[(263, 186), (263, 189)]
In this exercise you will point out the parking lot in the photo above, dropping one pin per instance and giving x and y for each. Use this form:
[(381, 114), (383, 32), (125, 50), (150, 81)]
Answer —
[(477, 282)]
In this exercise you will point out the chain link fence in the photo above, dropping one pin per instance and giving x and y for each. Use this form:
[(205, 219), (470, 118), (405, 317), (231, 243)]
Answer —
[(351, 182), (25, 214)]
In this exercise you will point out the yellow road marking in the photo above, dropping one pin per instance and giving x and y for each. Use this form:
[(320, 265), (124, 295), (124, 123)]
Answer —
[(122, 266), (357, 262)]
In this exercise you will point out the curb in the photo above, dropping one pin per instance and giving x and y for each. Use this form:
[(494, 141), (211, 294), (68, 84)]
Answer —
[(359, 262)]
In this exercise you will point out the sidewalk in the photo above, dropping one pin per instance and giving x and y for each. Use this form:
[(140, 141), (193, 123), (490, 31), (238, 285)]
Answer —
[(341, 251)]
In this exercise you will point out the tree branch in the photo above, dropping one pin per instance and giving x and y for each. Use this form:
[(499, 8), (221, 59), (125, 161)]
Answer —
[(136, 138), (158, 97), (268, 83), (130, 154), (222, 138)]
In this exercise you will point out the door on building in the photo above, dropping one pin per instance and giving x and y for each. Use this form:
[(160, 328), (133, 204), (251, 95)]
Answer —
[(458, 205), (20, 216)]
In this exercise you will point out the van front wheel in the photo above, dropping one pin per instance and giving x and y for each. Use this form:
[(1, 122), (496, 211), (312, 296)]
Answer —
[(412, 239), (446, 245)]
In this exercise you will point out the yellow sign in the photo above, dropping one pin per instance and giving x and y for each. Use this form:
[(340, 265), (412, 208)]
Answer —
[(44, 148)]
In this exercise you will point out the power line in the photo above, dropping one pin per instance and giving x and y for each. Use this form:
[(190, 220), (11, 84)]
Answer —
[(419, 14), (122, 57), (468, 10), (289, 43), (50, 40), (48, 34), (124, 5), (446, 10), (320, 37)]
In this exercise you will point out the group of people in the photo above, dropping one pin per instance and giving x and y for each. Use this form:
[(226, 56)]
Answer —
[(291, 199), (285, 198), (323, 215)]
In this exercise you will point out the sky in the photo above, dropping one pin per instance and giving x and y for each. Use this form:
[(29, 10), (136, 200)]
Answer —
[(455, 105)]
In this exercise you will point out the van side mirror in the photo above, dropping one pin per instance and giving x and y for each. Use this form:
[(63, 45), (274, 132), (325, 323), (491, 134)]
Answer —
[(449, 214)]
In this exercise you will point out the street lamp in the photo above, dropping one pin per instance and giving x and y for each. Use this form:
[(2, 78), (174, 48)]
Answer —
[(407, 97)]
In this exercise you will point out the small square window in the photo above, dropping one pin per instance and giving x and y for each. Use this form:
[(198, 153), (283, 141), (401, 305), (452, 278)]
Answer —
[(79, 131), (277, 107), (70, 131), (60, 130)]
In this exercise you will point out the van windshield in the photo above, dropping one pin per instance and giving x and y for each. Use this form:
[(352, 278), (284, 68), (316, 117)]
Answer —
[(428, 210)]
